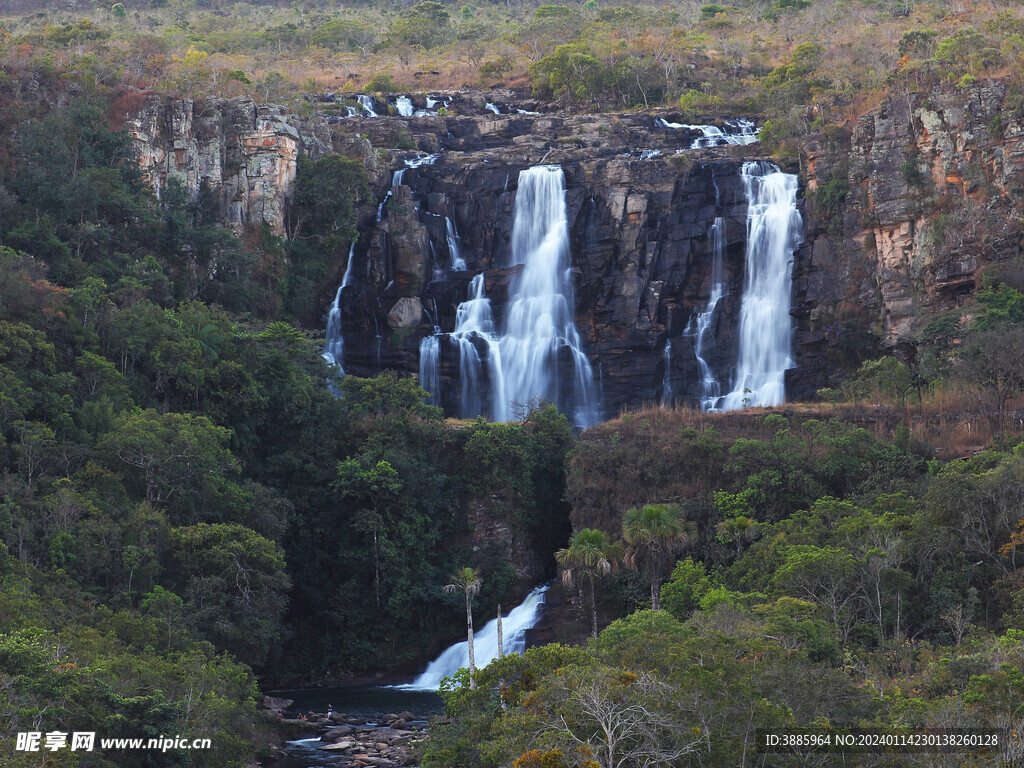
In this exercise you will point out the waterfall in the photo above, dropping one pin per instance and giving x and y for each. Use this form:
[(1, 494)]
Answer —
[(430, 373), (774, 230), (474, 325), (398, 177), (334, 348), (458, 263), (667, 395), (493, 108), (485, 643), (710, 388), (741, 131), (367, 104), (539, 321), (404, 106)]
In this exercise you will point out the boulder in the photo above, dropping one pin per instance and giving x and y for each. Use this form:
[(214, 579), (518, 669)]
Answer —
[(406, 313)]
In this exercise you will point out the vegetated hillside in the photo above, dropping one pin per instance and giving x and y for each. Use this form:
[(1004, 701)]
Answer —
[(823, 575), (762, 56), (185, 499), (187, 491)]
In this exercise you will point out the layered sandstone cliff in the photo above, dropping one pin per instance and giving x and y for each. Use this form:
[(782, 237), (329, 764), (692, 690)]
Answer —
[(902, 211)]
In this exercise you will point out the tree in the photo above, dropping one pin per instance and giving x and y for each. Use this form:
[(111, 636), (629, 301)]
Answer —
[(380, 484), (342, 34), (571, 73), (468, 581), (616, 718), (589, 555), (175, 452), (425, 25), (994, 361), (652, 533), (235, 586), (327, 193)]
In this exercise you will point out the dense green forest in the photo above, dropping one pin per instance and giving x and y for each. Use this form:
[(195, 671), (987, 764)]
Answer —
[(191, 501), (823, 576), (184, 499)]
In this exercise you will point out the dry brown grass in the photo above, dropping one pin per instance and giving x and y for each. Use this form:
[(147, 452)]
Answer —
[(679, 454)]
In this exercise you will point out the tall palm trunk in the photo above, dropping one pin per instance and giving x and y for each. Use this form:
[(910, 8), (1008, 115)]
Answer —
[(469, 637), (655, 592), (593, 607)]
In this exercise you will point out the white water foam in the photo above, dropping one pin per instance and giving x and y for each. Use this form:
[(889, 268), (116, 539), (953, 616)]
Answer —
[(774, 230)]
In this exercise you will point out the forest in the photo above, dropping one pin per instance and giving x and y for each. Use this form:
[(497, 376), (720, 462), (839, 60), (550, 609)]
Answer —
[(195, 505)]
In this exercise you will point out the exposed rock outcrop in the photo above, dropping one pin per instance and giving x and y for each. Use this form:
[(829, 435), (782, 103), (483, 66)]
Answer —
[(903, 209), (906, 208)]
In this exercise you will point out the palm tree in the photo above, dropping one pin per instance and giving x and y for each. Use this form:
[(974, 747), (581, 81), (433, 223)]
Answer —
[(589, 555), (467, 580), (652, 533)]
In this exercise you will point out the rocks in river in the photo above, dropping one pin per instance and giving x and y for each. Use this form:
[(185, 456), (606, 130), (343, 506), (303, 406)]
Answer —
[(360, 742), (335, 734), (276, 704)]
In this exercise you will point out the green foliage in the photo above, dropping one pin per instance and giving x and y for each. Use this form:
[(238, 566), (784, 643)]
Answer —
[(344, 35), (425, 25), (917, 43), (572, 73), (234, 586), (694, 103), (328, 192), (886, 379), (681, 595)]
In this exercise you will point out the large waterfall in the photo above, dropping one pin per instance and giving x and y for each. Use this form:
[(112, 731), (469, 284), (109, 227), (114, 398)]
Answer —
[(539, 325), (334, 348), (485, 643), (774, 229)]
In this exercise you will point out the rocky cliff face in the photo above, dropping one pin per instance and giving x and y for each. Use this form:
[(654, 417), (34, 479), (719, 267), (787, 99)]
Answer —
[(903, 209), (907, 208), (640, 204), (246, 152)]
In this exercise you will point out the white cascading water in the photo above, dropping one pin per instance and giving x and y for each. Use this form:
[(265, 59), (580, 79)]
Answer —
[(404, 106), (492, 108), (667, 395), (711, 391), (774, 230), (485, 643), (474, 324), (398, 177), (458, 263), (742, 131), (539, 318), (334, 347), (367, 104), (430, 367)]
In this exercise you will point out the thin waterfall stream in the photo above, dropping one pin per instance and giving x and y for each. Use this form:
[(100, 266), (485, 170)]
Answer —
[(334, 346), (710, 388)]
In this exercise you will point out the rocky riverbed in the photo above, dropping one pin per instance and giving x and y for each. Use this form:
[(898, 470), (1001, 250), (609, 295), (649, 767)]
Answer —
[(343, 741)]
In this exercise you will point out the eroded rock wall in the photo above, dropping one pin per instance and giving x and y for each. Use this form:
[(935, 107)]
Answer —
[(639, 229), (907, 208)]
